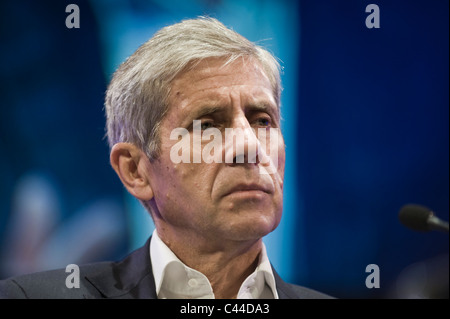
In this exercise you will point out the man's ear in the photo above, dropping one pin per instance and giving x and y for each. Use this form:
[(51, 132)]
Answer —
[(130, 164)]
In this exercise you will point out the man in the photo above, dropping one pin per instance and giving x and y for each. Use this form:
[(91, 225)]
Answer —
[(193, 122)]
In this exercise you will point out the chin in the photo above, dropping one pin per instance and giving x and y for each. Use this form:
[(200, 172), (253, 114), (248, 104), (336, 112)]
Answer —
[(252, 228)]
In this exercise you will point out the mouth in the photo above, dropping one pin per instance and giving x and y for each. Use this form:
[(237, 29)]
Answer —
[(248, 189)]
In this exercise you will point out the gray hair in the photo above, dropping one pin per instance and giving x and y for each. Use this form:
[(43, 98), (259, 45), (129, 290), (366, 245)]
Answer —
[(137, 96)]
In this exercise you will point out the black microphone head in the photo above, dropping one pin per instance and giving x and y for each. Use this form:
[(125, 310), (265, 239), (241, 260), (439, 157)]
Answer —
[(415, 217)]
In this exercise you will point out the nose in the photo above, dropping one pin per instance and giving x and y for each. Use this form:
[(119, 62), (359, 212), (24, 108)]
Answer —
[(241, 143)]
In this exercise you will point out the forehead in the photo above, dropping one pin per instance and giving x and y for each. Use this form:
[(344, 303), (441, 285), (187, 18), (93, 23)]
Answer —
[(214, 80)]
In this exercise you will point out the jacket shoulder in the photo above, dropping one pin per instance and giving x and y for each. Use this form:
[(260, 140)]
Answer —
[(51, 284), (291, 291), (300, 292)]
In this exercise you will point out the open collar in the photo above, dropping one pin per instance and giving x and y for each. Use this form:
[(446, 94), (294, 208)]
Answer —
[(133, 278)]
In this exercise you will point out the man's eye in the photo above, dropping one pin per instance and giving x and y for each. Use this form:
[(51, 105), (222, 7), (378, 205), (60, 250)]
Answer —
[(206, 125), (263, 121)]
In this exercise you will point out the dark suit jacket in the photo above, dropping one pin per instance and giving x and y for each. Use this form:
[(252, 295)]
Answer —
[(131, 277)]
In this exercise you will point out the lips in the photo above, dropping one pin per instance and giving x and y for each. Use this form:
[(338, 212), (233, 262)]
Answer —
[(248, 188)]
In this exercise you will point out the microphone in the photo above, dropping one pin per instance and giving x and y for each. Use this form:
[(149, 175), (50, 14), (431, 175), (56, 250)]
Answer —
[(421, 218)]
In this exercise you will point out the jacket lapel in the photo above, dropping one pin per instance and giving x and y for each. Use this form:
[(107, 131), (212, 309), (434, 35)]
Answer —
[(284, 290), (130, 278)]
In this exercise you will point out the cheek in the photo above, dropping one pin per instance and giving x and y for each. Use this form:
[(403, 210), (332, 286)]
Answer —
[(183, 181), (274, 150), (278, 159), (169, 190), (281, 159)]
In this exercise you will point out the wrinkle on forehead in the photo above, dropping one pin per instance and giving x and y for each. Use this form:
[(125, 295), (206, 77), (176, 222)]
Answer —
[(212, 74), (211, 70)]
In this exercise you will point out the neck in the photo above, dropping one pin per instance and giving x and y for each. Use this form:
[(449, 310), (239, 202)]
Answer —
[(225, 263)]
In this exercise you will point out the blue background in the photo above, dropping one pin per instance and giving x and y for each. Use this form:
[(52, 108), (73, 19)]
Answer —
[(365, 122)]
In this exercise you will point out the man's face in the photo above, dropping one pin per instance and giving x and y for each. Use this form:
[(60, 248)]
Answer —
[(220, 200)]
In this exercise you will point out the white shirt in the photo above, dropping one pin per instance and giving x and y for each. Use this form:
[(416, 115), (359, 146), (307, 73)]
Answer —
[(175, 280)]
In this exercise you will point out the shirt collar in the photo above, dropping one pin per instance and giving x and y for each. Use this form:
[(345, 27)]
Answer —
[(173, 279)]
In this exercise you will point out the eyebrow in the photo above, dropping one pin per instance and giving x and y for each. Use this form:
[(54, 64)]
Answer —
[(257, 106), (263, 107), (206, 110)]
